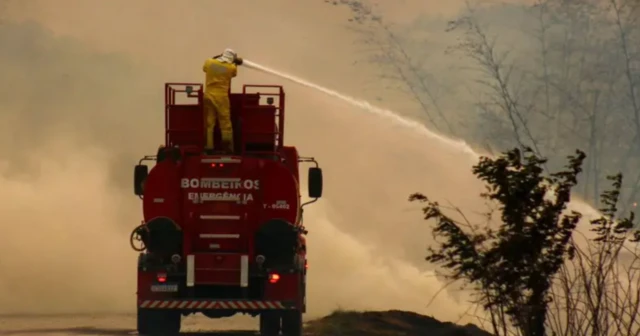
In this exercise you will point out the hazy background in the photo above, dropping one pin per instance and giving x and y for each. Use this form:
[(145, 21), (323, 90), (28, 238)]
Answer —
[(81, 100)]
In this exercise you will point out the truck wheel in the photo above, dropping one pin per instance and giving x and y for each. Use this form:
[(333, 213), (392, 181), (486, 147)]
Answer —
[(158, 322), (292, 323), (269, 324)]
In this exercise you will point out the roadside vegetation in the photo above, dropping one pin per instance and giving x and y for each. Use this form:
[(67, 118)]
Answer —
[(537, 266), (532, 82)]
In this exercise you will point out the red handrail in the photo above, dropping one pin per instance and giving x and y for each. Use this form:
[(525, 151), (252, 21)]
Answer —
[(279, 110), (172, 89)]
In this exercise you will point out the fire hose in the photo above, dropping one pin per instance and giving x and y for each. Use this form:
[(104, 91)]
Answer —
[(137, 235), (160, 236)]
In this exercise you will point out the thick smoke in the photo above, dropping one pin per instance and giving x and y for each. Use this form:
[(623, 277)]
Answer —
[(63, 249), (68, 125), (68, 208), (75, 118)]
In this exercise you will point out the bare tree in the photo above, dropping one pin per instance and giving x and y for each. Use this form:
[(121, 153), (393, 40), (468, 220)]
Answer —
[(626, 13), (576, 97), (541, 36), (596, 292), (391, 52), (503, 94), (571, 82)]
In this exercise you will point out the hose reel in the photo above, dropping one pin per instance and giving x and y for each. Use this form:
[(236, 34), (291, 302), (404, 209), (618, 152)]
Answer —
[(160, 236)]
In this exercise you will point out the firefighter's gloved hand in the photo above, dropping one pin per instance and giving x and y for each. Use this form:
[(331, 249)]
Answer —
[(238, 60)]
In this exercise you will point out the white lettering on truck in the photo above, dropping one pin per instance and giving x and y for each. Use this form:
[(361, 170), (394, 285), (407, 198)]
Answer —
[(231, 184), (278, 205), (220, 183), (242, 198)]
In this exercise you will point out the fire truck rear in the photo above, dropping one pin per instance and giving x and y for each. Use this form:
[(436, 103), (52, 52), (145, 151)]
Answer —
[(222, 233)]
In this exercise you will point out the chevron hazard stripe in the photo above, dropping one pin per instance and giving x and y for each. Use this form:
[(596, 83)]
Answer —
[(212, 304)]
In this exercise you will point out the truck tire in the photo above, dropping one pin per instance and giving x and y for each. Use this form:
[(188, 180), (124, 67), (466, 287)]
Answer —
[(269, 324), (158, 322), (292, 323)]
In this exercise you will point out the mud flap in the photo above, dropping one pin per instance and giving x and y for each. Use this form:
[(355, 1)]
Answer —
[(269, 324), (292, 323), (158, 322)]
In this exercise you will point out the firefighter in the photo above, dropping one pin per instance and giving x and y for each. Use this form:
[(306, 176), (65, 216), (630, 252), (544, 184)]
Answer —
[(219, 70)]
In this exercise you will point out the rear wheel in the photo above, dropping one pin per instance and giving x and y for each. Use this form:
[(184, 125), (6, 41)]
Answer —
[(269, 324), (292, 323), (158, 322)]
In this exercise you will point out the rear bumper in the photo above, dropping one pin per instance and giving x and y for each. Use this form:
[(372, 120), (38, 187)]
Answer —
[(228, 305)]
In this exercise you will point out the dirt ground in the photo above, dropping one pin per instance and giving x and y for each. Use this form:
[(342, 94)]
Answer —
[(339, 323), (116, 325)]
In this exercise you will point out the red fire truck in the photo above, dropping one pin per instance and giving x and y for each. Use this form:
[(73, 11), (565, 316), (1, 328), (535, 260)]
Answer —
[(222, 233)]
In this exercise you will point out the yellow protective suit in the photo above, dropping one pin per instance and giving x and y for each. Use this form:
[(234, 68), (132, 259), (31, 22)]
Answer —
[(216, 101)]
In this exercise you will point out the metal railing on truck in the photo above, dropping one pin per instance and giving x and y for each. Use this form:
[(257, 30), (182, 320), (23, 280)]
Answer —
[(181, 118), (181, 128), (275, 108)]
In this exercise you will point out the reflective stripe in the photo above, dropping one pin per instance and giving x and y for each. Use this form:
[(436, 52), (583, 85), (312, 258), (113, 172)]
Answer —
[(244, 271), (212, 304), (191, 270), (211, 235), (219, 217)]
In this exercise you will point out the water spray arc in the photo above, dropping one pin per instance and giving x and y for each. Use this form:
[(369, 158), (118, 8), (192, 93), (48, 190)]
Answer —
[(458, 145)]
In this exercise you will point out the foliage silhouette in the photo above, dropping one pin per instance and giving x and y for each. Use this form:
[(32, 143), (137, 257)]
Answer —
[(514, 265)]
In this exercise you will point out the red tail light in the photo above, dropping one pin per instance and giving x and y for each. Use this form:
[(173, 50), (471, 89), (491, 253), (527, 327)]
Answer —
[(162, 277), (274, 277)]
